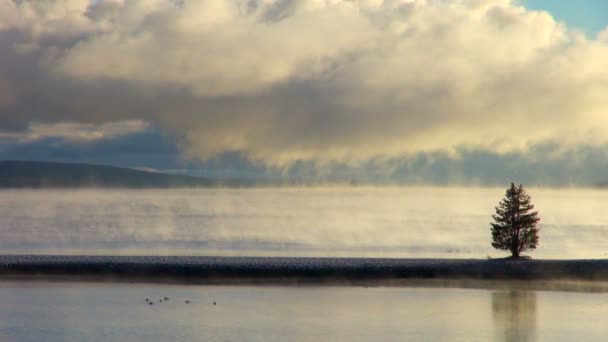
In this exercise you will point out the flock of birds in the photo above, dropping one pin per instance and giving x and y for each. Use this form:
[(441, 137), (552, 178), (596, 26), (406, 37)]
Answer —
[(164, 299)]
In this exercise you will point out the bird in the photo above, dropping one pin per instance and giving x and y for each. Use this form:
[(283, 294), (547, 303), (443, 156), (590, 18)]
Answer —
[(213, 303), (166, 298), (187, 302)]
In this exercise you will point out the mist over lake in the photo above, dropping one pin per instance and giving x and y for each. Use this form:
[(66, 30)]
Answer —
[(416, 222)]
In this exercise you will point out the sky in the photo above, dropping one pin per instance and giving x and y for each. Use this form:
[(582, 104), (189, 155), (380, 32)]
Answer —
[(591, 16), (410, 91)]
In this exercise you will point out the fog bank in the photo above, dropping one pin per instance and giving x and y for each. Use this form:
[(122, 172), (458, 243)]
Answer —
[(335, 221)]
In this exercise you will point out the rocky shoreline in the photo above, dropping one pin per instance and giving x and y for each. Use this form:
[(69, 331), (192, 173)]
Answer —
[(261, 270)]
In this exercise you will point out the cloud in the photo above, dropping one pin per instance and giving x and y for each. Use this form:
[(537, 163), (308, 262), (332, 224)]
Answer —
[(149, 148), (321, 80), (76, 132)]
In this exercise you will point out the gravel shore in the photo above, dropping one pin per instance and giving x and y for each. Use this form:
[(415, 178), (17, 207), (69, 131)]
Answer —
[(260, 270)]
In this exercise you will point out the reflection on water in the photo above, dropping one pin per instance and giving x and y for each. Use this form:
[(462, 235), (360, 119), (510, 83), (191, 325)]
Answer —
[(39, 311), (119, 312), (514, 315)]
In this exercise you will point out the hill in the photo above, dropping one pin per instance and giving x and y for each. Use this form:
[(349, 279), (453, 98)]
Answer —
[(34, 174)]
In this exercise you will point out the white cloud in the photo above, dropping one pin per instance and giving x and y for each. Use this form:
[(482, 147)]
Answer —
[(77, 132), (308, 79), (603, 35)]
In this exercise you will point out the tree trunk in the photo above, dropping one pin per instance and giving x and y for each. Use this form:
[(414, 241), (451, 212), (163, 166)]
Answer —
[(515, 253)]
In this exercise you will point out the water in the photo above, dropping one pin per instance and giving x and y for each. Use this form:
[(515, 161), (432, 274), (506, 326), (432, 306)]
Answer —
[(359, 221), (39, 311), (383, 222)]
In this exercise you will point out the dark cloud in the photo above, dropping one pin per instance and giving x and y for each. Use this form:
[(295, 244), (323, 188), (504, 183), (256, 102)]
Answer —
[(544, 165), (150, 149)]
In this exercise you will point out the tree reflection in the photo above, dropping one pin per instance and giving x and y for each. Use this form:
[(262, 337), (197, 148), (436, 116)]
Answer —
[(514, 315)]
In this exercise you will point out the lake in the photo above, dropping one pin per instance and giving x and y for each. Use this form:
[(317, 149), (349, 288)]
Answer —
[(359, 221), (416, 222), (41, 311)]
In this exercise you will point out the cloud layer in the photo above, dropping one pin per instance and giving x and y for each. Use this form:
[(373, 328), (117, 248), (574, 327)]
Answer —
[(76, 132), (288, 80)]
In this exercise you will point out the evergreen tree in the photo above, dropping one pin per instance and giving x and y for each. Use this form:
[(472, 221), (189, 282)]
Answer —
[(514, 228)]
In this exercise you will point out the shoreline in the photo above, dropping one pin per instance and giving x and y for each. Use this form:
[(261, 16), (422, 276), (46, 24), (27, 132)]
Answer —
[(298, 270)]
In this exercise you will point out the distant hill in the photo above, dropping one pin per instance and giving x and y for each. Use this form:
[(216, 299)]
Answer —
[(33, 174)]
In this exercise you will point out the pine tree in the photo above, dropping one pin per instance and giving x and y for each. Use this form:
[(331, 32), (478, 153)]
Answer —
[(515, 228)]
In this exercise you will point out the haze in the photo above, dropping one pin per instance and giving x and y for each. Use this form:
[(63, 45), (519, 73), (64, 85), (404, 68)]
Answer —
[(334, 221)]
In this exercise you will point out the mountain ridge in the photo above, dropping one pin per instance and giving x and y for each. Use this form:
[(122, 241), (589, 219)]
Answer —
[(43, 174)]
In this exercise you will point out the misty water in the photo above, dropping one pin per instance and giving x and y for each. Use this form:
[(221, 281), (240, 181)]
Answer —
[(333, 221), (41, 311), (358, 221)]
